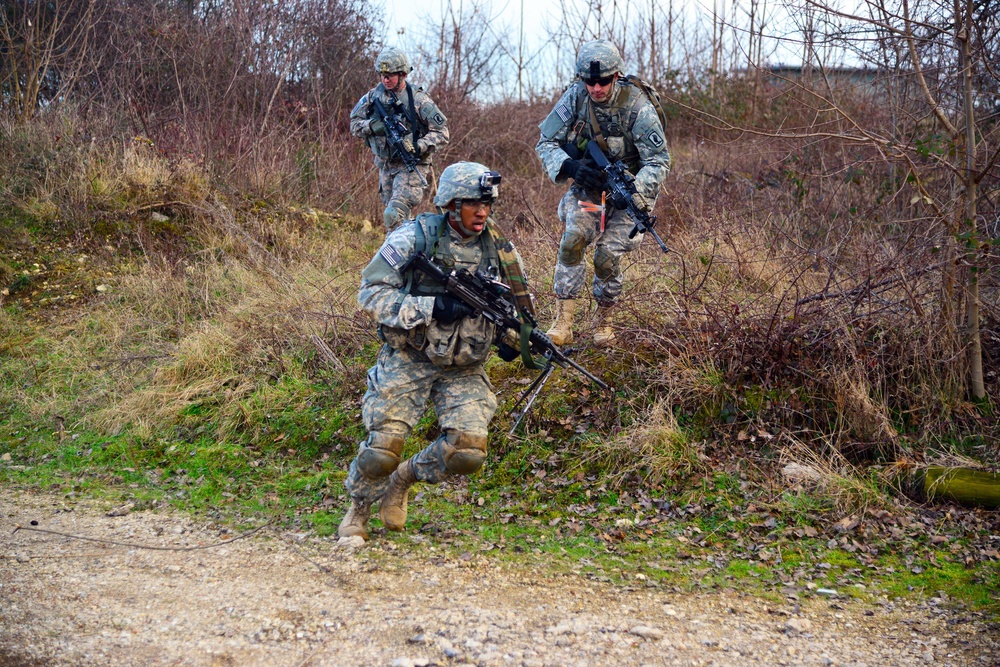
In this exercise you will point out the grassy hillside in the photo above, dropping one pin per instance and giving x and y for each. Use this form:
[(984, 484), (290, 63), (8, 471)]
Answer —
[(167, 336)]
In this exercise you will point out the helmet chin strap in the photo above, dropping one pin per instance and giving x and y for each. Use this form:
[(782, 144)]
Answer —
[(455, 221)]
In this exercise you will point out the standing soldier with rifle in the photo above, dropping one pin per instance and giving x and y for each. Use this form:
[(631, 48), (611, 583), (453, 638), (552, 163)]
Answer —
[(623, 116), (403, 127), (435, 347)]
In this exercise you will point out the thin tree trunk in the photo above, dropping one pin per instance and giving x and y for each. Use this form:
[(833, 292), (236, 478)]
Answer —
[(972, 253)]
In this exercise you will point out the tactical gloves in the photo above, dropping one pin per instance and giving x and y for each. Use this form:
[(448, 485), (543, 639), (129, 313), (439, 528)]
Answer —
[(641, 202), (508, 347), (447, 309), (408, 145), (377, 127), (506, 352), (585, 176)]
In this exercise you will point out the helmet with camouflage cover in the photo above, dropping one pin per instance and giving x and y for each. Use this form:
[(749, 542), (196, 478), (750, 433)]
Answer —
[(392, 60), (597, 59), (467, 180)]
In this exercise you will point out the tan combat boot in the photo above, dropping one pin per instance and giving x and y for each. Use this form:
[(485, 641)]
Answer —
[(561, 331), (355, 522), (604, 335), (392, 511)]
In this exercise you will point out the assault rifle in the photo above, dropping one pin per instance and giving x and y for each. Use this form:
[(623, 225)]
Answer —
[(394, 133), (491, 299), (620, 188)]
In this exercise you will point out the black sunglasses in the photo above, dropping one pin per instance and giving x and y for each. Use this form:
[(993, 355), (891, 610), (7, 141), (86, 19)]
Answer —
[(603, 81)]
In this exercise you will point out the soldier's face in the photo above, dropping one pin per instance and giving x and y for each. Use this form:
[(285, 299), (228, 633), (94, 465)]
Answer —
[(600, 89), (393, 81), (470, 215)]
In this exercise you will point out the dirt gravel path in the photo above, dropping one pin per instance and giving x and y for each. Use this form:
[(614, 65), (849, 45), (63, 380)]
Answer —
[(287, 600)]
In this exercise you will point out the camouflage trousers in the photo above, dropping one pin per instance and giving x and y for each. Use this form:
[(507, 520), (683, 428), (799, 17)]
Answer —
[(400, 386), (401, 191), (581, 229)]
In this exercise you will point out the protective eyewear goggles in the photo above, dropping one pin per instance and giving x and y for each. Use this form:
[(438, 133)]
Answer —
[(478, 204), (602, 81)]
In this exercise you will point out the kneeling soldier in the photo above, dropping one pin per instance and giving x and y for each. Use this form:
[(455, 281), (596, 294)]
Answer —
[(434, 350)]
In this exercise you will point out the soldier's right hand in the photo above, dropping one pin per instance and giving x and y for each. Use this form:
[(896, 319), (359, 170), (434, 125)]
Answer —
[(447, 309), (377, 127), (585, 176)]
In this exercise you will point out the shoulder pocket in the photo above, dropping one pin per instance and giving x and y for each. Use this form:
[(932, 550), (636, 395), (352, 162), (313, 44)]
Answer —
[(557, 119)]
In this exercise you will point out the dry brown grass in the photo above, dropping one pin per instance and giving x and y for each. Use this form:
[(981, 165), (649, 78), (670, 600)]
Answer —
[(827, 474), (655, 449)]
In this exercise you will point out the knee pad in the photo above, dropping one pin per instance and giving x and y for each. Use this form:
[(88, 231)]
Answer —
[(571, 248), (605, 263), (463, 453), (380, 455), (394, 214)]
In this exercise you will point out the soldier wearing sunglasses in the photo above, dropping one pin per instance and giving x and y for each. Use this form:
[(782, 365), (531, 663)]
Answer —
[(602, 106)]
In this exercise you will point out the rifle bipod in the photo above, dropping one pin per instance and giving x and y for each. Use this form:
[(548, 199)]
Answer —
[(535, 388)]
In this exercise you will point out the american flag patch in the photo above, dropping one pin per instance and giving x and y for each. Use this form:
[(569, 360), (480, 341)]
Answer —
[(563, 112), (392, 256)]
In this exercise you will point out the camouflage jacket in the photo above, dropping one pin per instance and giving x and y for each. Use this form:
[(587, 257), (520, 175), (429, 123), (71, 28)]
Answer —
[(432, 126), (628, 122), (403, 305)]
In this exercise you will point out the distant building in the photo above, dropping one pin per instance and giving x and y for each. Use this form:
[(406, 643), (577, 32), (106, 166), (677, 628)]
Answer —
[(780, 75)]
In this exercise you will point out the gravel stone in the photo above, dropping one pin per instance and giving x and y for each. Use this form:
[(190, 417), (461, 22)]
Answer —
[(647, 632)]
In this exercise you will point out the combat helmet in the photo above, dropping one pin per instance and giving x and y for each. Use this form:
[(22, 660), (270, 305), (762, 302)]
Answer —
[(597, 59), (392, 60), (467, 180)]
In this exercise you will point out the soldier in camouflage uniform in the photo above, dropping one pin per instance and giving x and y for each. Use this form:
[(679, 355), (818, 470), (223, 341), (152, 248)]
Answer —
[(427, 127), (434, 349), (605, 107)]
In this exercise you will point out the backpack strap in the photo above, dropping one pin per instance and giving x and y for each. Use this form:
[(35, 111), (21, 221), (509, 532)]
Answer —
[(416, 122), (435, 232), (510, 270)]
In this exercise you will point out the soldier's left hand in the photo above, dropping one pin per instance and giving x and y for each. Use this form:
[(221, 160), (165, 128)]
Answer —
[(641, 202), (407, 144), (506, 352)]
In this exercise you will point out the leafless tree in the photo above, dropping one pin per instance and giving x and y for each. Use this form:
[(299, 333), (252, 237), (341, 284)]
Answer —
[(43, 51)]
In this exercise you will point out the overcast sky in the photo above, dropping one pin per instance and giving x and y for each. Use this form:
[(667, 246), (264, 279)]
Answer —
[(407, 13)]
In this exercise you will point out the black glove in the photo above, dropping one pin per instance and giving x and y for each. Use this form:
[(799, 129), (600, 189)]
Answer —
[(506, 352), (447, 309), (585, 176)]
